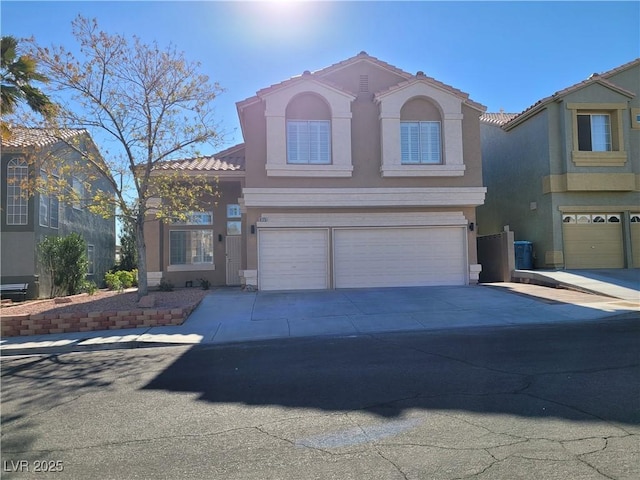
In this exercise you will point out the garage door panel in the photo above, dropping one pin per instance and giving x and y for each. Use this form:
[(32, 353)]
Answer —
[(293, 259), (593, 246), (397, 257)]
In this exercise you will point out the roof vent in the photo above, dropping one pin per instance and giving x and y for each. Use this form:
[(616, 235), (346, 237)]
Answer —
[(593, 75), (363, 53), (306, 72), (364, 83), (420, 73)]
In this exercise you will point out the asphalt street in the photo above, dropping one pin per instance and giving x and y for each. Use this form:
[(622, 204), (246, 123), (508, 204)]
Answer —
[(526, 402)]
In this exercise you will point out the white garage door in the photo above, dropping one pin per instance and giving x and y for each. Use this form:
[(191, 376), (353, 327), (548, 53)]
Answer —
[(399, 257), (293, 259)]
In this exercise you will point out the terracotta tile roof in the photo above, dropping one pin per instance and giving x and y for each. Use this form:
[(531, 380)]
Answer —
[(594, 78), (22, 137), (498, 119), (229, 160), (361, 56), (420, 76)]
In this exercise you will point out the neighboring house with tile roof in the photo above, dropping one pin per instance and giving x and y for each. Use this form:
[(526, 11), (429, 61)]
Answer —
[(565, 173), (26, 220), (356, 175)]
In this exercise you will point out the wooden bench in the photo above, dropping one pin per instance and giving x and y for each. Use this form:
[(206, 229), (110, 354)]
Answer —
[(14, 289)]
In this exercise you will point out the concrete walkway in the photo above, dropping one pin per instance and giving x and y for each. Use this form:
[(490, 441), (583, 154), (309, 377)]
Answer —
[(616, 283), (231, 315)]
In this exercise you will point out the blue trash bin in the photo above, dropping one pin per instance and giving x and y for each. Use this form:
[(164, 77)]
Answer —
[(524, 255)]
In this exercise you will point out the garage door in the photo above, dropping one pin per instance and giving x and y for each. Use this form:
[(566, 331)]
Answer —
[(293, 259), (399, 257), (592, 240)]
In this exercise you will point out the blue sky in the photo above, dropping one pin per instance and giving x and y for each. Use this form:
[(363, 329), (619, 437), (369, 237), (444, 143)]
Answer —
[(504, 54)]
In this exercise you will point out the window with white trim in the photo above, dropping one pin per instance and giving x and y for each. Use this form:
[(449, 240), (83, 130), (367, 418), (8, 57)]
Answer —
[(17, 201), (78, 192), (91, 259), (420, 143), (49, 205), (191, 247), (196, 218), (594, 132), (309, 142)]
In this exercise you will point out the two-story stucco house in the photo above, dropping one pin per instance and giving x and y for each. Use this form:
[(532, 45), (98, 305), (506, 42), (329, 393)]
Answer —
[(356, 175), (26, 219), (565, 173)]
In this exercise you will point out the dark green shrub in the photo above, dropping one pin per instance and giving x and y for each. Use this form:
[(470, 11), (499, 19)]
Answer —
[(165, 286)]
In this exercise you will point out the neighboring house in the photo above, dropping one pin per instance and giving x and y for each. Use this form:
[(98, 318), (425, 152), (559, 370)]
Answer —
[(357, 175), (26, 220), (565, 173)]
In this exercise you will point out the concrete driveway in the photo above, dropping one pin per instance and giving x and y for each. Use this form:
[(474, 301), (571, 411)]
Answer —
[(232, 315)]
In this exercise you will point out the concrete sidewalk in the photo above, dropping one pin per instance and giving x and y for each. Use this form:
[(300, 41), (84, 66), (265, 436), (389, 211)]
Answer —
[(231, 315)]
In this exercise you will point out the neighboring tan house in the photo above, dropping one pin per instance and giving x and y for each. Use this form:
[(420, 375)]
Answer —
[(357, 175), (26, 220), (565, 173)]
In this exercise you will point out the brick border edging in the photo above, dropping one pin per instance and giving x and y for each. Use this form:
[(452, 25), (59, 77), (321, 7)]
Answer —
[(38, 324)]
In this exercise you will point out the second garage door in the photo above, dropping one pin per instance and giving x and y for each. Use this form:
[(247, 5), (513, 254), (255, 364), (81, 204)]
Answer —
[(399, 257)]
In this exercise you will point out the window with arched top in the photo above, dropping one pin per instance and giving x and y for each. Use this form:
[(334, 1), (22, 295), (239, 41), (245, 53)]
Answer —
[(420, 133), (17, 201), (308, 130)]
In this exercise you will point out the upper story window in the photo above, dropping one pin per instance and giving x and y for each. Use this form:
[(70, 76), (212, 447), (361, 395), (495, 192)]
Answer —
[(49, 212), (308, 130), (420, 143), (78, 193), (196, 218), (598, 134), (309, 142), (594, 132), (17, 201)]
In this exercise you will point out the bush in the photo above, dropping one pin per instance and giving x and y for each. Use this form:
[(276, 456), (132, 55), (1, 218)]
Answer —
[(121, 279), (204, 283), (165, 286), (65, 259), (90, 287)]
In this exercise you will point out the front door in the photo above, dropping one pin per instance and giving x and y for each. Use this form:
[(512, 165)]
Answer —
[(233, 250)]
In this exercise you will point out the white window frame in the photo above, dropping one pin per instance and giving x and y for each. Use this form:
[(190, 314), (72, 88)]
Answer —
[(196, 218), (91, 259), (195, 249), (79, 191), (234, 211), (599, 132), (50, 205), (417, 145), (17, 202), (308, 142)]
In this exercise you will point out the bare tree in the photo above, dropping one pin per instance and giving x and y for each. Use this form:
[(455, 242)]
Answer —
[(151, 104)]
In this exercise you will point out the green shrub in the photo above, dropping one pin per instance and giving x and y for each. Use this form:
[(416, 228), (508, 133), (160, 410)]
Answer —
[(65, 260), (126, 278), (90, 287), (112, 279), (204, 283)]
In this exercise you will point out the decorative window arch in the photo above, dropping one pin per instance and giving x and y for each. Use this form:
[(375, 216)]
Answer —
[(308, 130), (420, 132), (17, 201), (449, 106)]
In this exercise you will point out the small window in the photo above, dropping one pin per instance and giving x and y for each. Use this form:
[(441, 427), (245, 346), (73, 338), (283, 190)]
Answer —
[(308, 142), (613, 218), (17, 202), (233, 211), (599, 219), (234, 228), (191, 247), (568, 219), (420, 143), (196, 218), (49, 212), (78, 193), (583, 218), (594, 132), (91, 259), (635, 218)]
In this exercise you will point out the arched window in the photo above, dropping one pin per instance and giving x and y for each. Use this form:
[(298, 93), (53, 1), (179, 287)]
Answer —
[(308, 131), (17, 201), (420, 133)]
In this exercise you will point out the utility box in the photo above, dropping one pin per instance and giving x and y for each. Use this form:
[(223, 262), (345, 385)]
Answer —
[(524, 255)]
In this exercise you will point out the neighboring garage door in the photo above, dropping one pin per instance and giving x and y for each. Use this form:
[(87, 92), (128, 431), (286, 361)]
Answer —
[(399, 257), (293, 259), (592, 240)]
